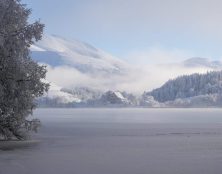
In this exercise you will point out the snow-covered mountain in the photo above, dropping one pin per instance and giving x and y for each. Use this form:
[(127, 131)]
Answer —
[(196, 90), (189, 86), (77, 71), (56, 51), (202, 62), (81, 75)]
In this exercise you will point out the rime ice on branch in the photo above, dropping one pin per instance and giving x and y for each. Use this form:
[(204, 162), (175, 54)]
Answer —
[(20, 76)]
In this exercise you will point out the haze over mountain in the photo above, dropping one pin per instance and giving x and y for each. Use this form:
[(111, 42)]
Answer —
[(75, 65), (202, 62), (80, 68), (72, 63)]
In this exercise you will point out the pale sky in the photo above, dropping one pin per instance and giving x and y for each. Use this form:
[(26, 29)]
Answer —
[(138, 30)]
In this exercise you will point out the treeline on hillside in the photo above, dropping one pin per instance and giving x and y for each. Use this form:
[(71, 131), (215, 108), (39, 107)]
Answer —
[(189, 86)]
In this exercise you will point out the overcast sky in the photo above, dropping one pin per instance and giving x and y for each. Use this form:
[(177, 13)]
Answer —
[(141, 31)]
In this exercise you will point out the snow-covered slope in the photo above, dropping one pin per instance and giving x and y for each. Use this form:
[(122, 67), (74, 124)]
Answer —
[(189, 86), (81, 70), (202, 62), (56, 94), (56, 51), (114, 97)]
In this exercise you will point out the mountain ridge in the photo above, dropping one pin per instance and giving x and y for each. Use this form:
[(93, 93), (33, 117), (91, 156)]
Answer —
[(76, 54), (95, 76)]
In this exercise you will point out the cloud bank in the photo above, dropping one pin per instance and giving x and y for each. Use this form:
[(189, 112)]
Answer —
[(136, 81)]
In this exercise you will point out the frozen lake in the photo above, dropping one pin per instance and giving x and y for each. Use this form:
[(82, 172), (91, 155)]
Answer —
[(121, 141)]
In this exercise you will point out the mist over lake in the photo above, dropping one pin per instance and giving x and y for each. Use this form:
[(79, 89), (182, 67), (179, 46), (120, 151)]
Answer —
[(110, 87), (121, 141)]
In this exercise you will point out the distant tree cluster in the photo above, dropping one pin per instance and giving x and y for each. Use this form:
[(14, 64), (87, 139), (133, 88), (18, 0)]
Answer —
[(20, 76), (189, 86)]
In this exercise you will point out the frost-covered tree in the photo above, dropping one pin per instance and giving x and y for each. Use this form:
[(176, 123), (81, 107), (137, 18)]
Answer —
[(189, 86), (20, 76)]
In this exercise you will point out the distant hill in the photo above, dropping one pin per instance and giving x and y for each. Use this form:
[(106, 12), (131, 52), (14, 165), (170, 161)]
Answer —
[(86, 98), (97, 77), (56, 51), (93, 70), (202, 62), (188, 86)]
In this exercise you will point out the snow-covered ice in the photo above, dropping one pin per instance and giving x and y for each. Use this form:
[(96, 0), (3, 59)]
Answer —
[(121, 141)]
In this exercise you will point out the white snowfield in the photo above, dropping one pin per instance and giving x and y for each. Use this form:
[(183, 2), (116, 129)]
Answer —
[(81, 55)]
